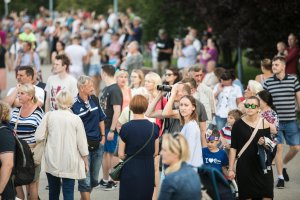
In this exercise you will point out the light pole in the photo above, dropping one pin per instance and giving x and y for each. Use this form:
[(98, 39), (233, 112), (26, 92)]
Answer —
[(116, 7), (51, 8), (6, 2)]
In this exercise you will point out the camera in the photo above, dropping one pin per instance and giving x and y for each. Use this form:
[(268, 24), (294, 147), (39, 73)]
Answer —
[(166, 88)]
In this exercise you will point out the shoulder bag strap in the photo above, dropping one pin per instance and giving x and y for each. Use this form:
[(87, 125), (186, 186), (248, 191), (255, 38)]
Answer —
[(250, 139), (17, 121), (142, 146)]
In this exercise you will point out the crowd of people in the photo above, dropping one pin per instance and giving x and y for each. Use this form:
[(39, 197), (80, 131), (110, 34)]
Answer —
[(100, 105)]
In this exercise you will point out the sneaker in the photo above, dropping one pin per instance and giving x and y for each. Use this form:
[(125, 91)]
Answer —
[(109, 186), (285, 175), (114, 184), (102, 184), (280, 184)]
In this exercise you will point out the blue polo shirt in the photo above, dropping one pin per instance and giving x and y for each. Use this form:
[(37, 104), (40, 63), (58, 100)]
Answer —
[(91, 115)]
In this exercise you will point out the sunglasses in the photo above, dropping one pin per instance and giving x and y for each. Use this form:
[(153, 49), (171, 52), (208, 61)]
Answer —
[(252, 106)]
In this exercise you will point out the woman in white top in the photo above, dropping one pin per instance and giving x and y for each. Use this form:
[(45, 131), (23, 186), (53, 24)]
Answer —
[(191, 130), (66, 148), (137, 80), (95, 65)]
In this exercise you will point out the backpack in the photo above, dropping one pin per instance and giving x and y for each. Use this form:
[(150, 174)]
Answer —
[(215, 184), (24, 169)]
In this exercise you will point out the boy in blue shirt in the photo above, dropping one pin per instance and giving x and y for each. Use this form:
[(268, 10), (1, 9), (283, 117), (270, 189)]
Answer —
[(212, 155)]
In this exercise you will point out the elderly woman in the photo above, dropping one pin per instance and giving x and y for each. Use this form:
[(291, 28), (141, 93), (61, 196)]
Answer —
[(253, 182), (137, 177), (181, 182), (66, 148), (252, 89), (25, 120)]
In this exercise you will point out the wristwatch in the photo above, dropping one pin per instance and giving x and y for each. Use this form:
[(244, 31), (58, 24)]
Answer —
[(111, 131)]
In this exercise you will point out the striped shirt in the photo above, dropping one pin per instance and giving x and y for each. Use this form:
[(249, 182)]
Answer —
[(284, 95), (225, 132), (27, 126)]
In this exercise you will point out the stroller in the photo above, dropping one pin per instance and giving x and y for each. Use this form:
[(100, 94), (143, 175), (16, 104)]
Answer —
[(215, 186)]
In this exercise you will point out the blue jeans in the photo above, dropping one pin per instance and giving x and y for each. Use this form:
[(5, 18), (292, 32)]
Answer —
[(95, 162), (288, 131), (54, 187), (221, 122)]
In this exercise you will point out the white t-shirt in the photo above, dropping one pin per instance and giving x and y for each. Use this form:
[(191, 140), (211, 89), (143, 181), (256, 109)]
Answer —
[(226, 100), (76, 53), (56, 84), (95, 58), (39, 93), (192, 134)]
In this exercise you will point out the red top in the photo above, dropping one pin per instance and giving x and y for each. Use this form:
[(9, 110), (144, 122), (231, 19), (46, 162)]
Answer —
[(292, 60)]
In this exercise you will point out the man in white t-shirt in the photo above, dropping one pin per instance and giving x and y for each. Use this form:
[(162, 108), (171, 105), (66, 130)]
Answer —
[(60, 81), (77, 55), (25, 75)]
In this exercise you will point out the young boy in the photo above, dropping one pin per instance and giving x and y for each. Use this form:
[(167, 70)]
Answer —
[(212, 155), (225, 132)]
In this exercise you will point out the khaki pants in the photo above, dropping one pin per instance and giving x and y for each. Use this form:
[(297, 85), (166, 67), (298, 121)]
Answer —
[(162, 66)]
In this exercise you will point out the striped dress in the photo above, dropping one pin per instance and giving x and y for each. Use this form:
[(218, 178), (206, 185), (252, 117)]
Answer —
[(27, 126)]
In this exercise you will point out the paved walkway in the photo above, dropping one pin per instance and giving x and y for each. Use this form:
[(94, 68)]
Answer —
[(291, 192)]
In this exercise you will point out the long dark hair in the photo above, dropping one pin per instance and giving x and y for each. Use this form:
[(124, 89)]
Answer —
[(267, 97), (194, 115)]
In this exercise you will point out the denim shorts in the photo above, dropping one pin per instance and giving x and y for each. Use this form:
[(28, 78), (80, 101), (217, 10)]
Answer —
[(94, 70), (110, 145), (95, 162), (288, 131)]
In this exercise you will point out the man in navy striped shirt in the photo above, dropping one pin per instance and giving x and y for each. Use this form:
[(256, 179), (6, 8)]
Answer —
[(285, 90)]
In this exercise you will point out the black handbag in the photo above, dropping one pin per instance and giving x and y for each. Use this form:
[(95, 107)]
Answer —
[(93, 145), (116, 172)]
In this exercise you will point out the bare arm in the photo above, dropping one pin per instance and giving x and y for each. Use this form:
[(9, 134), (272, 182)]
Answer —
[(117, 112), (232, 156), (121, 150), (102, 130), (151, 112), (298, 98), (168, 111), (11, 98), (202, 126), (7, 160), (156, 151)]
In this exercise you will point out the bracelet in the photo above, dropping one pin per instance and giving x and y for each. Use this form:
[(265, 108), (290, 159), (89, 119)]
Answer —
[(103, 135), (111, 130)]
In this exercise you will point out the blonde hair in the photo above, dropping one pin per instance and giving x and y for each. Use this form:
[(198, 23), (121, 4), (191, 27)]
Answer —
[(178, 145), (255, 86), (155, 78), (141, 76), (30, 90), (5, 115), (64, 99), (121, 72)]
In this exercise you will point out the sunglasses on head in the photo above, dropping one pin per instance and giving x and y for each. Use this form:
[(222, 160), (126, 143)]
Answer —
[(213, 138), (252, 106)]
